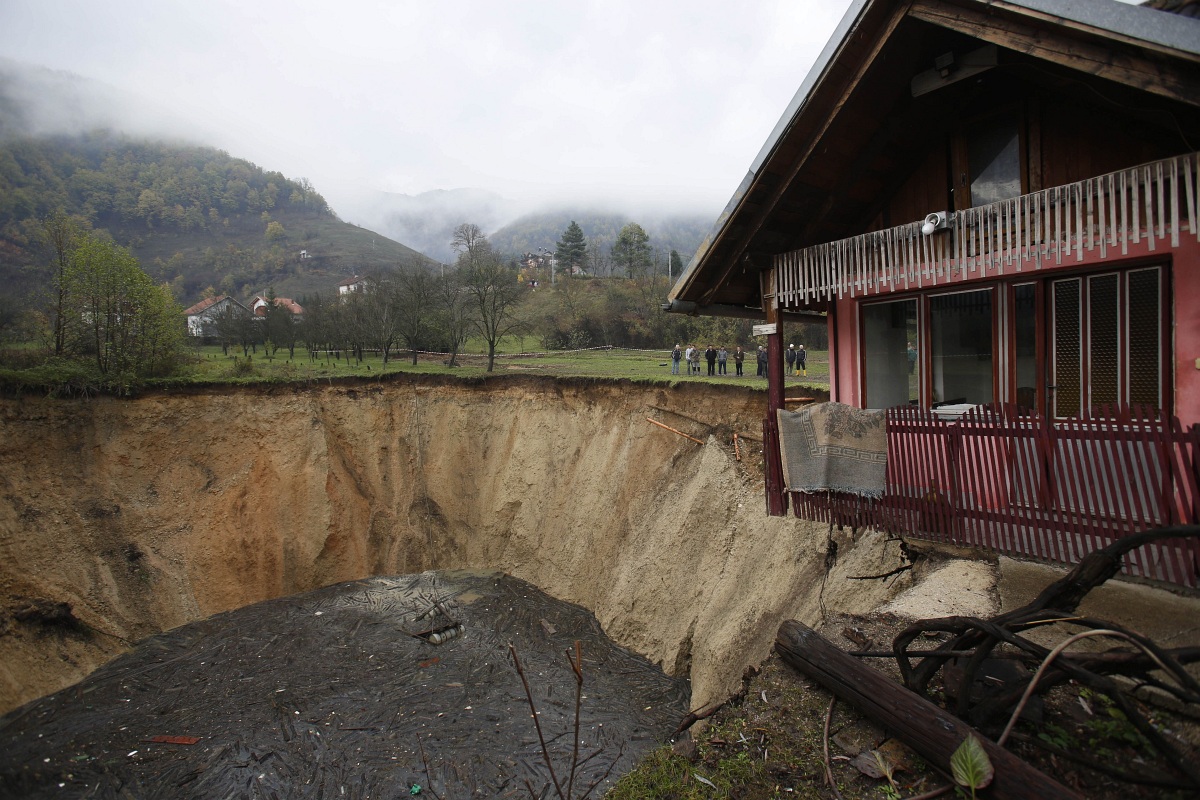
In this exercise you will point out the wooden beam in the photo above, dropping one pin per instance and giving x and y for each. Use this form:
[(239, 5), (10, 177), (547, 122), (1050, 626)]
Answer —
[(1044, 39), (932, 732)]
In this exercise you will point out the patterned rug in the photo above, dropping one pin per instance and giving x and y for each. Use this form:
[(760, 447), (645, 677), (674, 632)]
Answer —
[(833, 447)]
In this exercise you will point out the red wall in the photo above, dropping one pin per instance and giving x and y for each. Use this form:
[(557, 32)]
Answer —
[(1186, 300)]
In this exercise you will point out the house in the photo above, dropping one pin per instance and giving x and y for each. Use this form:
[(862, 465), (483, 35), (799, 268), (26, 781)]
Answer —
[(260, 303), (994, 203), (352, 286), (202, 316)]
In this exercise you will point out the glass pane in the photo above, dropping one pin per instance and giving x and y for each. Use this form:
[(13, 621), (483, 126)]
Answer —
[(893, 370), (960, 347), (993, 157), (1103, 348), (1068, 362), (1025, 344), (1145, 338)]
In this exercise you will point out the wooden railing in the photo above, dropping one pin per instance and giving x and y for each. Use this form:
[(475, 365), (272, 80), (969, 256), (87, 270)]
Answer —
[(1003, 479), (1154, 202)]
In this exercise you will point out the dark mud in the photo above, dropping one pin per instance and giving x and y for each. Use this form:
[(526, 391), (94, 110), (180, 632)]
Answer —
[(327, 694)]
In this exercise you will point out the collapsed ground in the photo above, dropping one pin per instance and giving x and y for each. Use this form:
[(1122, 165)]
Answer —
[(123, 518)]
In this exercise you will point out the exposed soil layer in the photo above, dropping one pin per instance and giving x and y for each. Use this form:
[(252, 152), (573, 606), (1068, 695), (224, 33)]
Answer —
[(327, 694), (142, 515)]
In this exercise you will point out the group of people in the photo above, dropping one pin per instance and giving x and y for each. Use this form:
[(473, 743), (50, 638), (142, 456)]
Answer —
[(717, 358)]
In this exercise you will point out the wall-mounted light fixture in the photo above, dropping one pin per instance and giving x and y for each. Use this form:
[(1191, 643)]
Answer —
[(937, 221)]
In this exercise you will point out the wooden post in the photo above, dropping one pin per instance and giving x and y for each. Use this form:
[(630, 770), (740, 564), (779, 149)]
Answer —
[(931, 731), (776, 496)]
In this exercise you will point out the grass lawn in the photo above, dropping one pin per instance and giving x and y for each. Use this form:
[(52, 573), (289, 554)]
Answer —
[(211, 365)]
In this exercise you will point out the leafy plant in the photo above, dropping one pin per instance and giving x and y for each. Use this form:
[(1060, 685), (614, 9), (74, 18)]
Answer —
[(971, 767)]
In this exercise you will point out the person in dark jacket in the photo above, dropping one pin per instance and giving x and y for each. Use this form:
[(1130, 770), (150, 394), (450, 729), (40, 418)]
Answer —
[(710, 355), (762, 361), (739, 355)]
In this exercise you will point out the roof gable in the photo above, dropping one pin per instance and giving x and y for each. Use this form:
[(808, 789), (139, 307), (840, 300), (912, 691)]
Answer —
[(854, 131)]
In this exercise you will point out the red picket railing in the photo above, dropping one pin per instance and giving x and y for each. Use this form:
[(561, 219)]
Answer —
[(1006, 479)]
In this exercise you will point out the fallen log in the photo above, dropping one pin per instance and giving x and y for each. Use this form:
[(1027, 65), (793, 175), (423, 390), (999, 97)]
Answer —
[(932, 732)]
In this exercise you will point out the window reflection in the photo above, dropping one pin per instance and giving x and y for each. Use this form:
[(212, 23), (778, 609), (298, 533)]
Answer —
[(960, 347)]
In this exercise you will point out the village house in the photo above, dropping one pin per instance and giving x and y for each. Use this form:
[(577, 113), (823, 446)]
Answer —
[(260, 303), (351, 286), (202, 316), (993, 206)]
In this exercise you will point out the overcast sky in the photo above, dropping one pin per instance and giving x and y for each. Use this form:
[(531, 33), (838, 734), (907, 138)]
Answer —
[(648, 102), (660, 102)]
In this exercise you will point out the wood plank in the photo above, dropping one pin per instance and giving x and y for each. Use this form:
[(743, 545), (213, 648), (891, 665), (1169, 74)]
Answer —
[(1045, 39), (931, 731)]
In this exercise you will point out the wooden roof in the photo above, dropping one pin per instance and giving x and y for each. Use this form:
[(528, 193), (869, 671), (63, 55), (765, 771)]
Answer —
[(854, 130)]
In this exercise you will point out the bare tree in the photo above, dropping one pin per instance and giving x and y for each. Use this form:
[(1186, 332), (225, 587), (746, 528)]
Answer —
[(415, 295), (453, 312), (470, 242), (495, 294)]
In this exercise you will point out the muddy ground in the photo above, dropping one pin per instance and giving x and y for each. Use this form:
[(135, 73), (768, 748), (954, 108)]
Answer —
[(343, 693)]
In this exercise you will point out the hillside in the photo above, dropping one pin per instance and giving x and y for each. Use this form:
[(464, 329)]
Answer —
[(194, 216), (543, 229)]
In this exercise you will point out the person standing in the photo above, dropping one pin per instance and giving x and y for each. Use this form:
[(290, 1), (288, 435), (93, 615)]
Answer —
[(802, 361), (739, 355), (790, 358), (687, 358), (722, 359), (676, 355), (710, 355), (695, 360), (762, 361)]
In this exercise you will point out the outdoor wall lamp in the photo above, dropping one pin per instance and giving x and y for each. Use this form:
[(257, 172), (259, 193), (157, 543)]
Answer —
[(937, 221)]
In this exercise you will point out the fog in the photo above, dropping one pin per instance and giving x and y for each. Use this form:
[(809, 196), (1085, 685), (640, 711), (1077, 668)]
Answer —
[(639, 105)]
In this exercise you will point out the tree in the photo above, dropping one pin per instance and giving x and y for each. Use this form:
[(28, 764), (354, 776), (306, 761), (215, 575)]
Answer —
[(631, 251), (376, 315), (453, 312), (60, 234), (415, 294), (675, 265), (494, 292), (275, 231), (470, 242), (571, 250), (232, 326), (280, 328), (123, 320)]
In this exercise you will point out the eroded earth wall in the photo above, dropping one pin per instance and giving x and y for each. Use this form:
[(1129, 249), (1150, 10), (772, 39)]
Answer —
[(148, 513)]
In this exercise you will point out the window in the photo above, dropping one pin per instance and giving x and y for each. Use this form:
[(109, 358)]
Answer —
[(891, 367), (1107, 340), (1061, 346), (961, 353), (987, 159), (1025, 344)]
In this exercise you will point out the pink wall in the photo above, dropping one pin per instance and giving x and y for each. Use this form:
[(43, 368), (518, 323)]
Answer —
[(1186, 296)]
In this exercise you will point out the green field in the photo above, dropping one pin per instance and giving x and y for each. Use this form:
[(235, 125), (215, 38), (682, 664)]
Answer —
[(211, 366)]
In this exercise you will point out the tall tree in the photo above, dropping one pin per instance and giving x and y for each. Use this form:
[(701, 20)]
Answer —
[(571, 250), (415, 295), (495, 293), (470, 242), (454, 307), (60, 234), (631, 251)]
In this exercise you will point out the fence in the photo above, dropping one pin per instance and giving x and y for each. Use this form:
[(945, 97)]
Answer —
[(1008, 480)]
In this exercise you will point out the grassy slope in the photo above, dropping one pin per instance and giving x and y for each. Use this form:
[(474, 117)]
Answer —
[(212, 366), (336, 250)]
